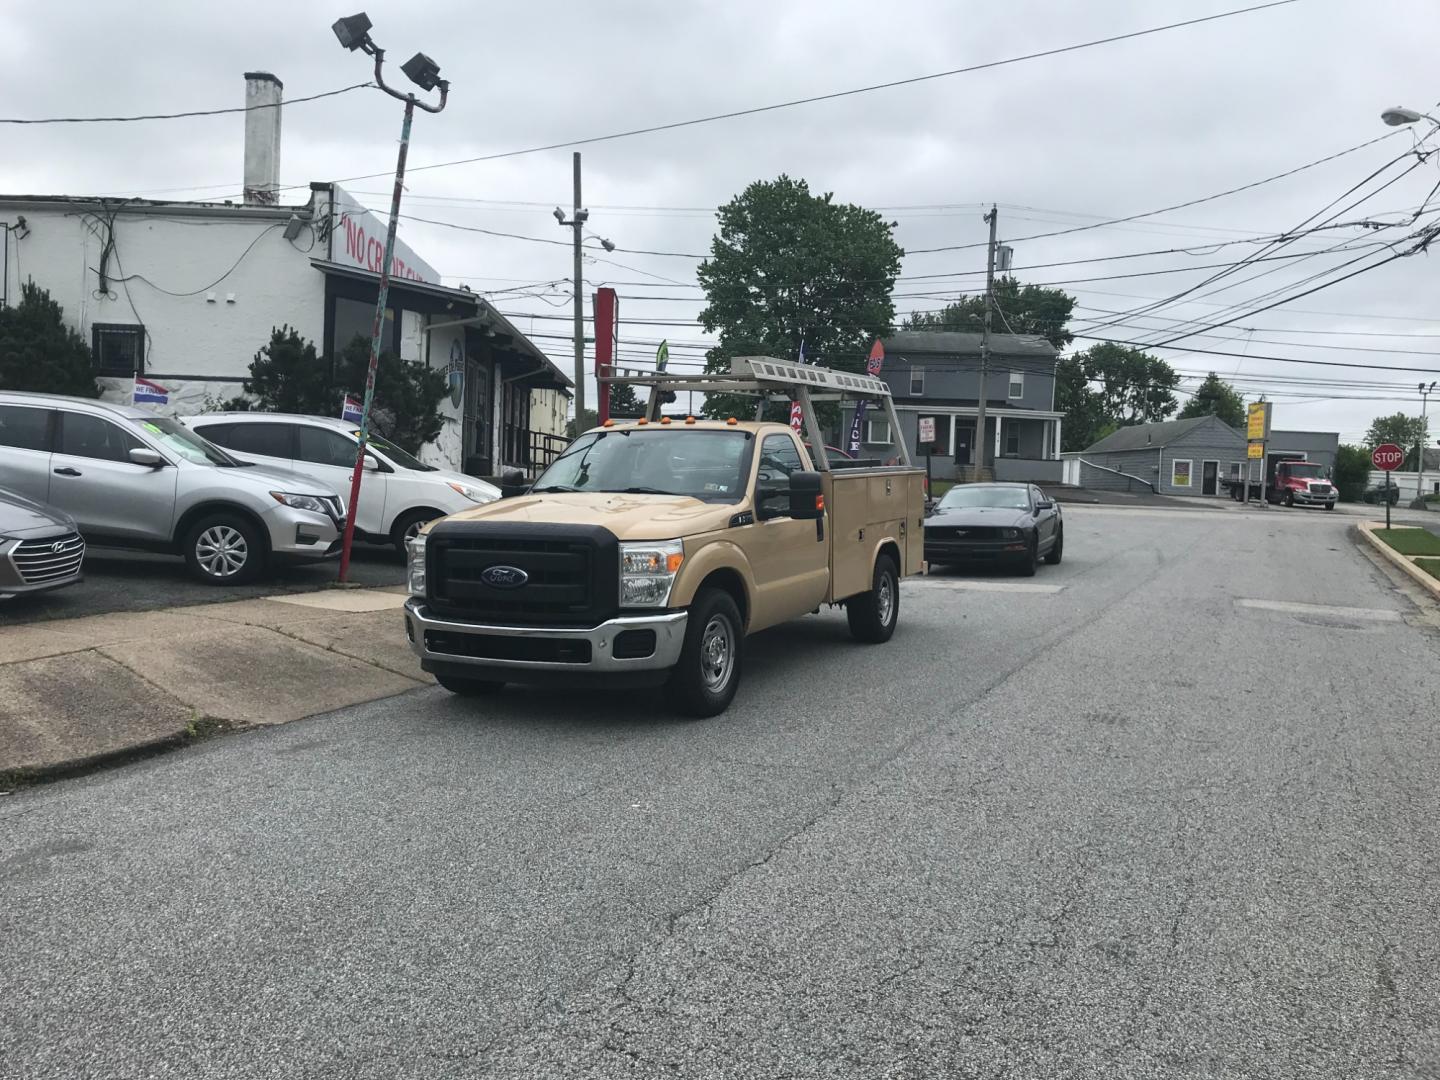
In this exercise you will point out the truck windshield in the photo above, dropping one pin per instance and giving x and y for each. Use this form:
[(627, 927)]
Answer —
[(708, 465), (1305, 472)]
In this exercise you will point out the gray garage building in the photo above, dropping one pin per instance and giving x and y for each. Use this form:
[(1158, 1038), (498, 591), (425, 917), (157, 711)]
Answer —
[(1185, 457)]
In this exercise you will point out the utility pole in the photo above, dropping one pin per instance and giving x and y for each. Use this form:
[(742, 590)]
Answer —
[(992, 217), (576, 224)]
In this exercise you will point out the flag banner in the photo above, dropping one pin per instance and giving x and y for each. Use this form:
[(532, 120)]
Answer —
[(149, 393), (857, 422), (662, 355), (352, 409), (797, 416)]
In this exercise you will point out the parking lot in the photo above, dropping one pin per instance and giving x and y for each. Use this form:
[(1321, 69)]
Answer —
[(119, 580)]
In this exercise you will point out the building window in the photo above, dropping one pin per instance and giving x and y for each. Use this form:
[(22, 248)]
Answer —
[(1180, 472), (917, 382), (119, 349), (1012, 441), (877, 432), (1017, 385)]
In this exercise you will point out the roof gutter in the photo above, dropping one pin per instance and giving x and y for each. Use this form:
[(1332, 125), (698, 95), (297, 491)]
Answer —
[(135, 206)]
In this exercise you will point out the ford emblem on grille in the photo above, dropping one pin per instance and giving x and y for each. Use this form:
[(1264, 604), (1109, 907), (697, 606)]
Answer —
[(504, 577)]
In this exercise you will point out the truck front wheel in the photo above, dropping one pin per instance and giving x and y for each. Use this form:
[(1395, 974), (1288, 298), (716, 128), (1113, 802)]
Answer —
[(873, 614), (704, 682)]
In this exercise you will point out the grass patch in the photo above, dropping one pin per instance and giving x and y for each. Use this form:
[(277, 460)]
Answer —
[(1430, 566), (1411, 541)]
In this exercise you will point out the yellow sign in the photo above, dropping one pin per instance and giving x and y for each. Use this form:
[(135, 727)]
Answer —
[(1257, 419), (1257, 450)]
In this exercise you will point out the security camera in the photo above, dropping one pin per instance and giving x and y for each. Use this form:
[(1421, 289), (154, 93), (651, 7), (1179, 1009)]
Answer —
[(560, 215)]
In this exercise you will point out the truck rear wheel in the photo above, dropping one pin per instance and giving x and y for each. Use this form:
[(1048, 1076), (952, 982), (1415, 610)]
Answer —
[(873, 614), (704, 682)]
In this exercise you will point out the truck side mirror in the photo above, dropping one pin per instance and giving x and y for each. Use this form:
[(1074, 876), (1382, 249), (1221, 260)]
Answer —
[(807, 501)]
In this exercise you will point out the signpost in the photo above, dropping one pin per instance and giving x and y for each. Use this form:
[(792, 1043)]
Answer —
[(1257, 432), (1387, 457), (926, 438)]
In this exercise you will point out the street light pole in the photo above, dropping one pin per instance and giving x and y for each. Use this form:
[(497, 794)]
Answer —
[(579, 223), (354, 33), (1425, 392)]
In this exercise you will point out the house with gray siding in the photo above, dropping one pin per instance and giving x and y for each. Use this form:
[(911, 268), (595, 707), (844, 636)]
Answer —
[(1173, 457), (1188, 457), (936, 375)]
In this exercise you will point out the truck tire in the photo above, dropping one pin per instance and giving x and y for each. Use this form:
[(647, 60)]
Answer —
[(1330, 506), (1289, 498), (467, 687), (704, 681), (224, 549), (1057, 550), (873, 615)]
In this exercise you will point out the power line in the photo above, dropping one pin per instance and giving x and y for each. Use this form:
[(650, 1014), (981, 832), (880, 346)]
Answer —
[(181, 115)]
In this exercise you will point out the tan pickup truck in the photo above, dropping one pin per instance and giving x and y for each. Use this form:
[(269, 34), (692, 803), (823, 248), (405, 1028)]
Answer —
[(650, 549)]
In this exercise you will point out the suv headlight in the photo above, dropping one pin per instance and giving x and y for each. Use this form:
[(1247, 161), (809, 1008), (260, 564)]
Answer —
[(468, 492), (647, 571), (415, 565), (314, 503)]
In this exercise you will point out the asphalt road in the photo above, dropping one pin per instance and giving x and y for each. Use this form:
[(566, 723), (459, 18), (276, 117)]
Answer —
[(1176, 819), (117, 580)]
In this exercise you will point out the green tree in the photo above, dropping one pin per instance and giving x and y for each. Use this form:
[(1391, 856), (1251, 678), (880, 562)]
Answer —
[(787, 266), (39, 352), (288, 376), (1404, 431), (406, 407), (1085, 420), (1352, 472), (624, 402), (1134, 387), (1019, 309), (1216, 397)]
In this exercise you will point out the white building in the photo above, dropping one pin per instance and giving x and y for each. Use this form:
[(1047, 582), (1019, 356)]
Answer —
[(185, 294)]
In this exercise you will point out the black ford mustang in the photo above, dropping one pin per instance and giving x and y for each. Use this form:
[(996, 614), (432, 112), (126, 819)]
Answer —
[(1016, 523)]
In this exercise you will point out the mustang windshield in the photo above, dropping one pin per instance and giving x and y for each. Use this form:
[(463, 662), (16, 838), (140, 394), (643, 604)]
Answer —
[(964, 496), (708, 465)]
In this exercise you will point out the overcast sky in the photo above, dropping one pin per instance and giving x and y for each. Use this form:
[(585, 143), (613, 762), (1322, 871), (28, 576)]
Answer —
[(1060, 141)]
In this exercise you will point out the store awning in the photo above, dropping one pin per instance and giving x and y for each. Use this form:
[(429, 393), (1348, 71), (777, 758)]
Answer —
[(521, 360)]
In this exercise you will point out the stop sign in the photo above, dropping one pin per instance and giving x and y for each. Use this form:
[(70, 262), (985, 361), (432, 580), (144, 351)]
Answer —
[(1387, 456)]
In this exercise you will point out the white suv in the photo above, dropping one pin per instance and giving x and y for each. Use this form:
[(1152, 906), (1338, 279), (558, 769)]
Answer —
[(398, 494)]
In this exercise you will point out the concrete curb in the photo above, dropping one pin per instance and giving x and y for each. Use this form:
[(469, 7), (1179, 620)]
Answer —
[(1425, 580)]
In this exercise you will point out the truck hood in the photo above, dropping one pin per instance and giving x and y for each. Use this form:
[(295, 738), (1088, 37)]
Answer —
[(629, 517)]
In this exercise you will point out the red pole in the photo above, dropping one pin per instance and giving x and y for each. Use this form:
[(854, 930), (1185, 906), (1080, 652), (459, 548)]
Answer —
[(376, 332), (605, 321)]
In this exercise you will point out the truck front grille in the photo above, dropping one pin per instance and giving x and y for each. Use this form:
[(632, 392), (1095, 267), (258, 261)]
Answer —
[(51, 559), (570, 573)]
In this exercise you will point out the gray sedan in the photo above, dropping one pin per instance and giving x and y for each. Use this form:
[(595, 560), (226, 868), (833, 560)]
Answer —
[(40, 547)]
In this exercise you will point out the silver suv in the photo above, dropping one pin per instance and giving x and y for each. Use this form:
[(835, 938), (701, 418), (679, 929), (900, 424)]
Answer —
[(130, 478)]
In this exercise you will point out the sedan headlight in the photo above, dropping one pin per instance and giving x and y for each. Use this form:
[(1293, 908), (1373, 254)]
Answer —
[(314, 503), (468, 492), (647, 571), (415, 565)]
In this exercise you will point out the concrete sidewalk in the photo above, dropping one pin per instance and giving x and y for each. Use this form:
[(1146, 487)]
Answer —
[(74, 691)]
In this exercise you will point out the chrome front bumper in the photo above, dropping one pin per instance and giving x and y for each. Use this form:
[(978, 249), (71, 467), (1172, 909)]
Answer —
[(534, 648)]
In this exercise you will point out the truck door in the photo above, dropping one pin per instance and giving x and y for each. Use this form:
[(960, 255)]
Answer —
[(789, 558)]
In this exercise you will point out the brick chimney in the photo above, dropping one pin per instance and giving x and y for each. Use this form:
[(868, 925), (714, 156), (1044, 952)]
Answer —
[(262, 137)]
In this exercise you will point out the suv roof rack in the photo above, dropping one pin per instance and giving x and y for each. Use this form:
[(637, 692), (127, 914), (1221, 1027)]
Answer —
[(768, 378)]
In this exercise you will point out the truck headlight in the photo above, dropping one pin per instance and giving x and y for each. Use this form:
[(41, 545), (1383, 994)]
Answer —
[(415, 565), (647, 571)]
